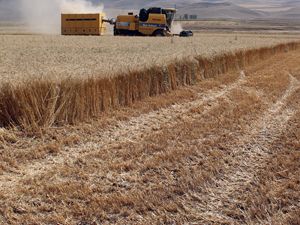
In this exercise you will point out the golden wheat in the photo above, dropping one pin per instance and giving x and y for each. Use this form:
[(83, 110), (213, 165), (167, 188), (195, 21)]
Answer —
[(82, 175), (53, 79), (55, 57)]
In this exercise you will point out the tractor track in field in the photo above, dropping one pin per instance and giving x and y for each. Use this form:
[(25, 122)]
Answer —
[(249, 155), (125, 131)]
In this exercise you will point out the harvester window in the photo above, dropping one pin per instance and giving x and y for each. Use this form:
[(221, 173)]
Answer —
[(144, 15), (155, 10), (170, 17)]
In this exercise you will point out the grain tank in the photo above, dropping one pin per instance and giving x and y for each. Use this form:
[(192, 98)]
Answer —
[(83, 24)]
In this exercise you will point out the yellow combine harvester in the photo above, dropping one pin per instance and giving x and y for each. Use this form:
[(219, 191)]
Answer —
[(151, 22)]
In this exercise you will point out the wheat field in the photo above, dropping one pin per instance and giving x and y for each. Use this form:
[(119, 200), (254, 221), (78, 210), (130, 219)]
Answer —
[(222, 151), (51, 80), (27, 57), (104, 130)]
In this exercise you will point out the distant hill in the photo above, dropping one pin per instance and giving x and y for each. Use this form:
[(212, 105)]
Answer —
[(220, 10), (293, 13), (203, 9), (294, 3), (129, 4), (236, 9), (8, 11)]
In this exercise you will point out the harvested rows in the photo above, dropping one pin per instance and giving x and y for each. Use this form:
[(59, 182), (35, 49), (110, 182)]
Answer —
[(223, 151)]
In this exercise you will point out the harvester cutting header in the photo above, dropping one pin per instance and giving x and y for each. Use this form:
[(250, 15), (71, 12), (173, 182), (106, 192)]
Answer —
[(150, 22)]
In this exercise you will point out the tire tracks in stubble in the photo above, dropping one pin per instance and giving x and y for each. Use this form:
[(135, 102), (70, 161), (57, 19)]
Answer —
[(123, 131), (250, 154)]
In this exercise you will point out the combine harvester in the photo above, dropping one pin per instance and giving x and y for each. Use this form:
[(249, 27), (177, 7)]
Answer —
[(151, 22)]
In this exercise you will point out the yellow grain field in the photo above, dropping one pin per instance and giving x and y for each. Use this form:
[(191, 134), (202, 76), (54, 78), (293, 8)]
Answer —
[(203, 130), (26, 57), (50, 80)]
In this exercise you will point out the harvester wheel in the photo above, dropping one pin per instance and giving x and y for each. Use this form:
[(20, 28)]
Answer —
[(116, 32), (160, 33)]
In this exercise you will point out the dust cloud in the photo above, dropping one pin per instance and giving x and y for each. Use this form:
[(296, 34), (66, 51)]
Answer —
[(43, 16), (176, 28)]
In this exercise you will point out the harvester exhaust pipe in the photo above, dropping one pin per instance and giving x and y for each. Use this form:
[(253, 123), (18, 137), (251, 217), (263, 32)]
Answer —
[(110, 21)]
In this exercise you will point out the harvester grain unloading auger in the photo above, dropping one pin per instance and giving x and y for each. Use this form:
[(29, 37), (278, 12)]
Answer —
[(150, 22)]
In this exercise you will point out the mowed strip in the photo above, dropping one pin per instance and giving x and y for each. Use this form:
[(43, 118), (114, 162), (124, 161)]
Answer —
[(249, 157), (19, 150), (131, 177), (276, 189), (128, 131), (131, 174)]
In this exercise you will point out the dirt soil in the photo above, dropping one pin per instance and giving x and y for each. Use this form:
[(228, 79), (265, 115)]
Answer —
[(225, 151)]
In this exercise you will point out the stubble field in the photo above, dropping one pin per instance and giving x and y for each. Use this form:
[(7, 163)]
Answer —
[(212, 137)]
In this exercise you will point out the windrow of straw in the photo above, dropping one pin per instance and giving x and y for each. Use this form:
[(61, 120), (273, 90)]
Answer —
[(42, 103)]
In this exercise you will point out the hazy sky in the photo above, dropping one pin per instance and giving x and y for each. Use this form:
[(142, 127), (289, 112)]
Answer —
[(44, 15)]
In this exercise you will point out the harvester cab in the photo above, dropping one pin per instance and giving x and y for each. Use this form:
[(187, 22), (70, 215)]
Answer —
[(150, 22)]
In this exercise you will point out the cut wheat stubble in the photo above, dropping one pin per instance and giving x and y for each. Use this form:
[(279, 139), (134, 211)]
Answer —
[(128, 131), (249, 157)]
